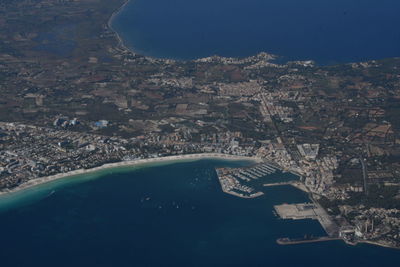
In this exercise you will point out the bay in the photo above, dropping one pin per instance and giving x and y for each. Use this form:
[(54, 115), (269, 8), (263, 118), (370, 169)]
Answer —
[(326, 31), (171, 215)]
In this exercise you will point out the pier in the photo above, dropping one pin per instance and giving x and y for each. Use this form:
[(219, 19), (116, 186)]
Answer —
[(279, 184)]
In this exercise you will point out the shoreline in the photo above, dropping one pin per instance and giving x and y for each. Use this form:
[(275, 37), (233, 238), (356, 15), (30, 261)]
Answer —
[(131, 163), (137, 52), (169, 160), (375, 243), (121, 43), (276, 57), (109, 26)]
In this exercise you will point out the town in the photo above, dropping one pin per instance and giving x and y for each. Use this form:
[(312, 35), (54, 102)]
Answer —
[(95, 102)]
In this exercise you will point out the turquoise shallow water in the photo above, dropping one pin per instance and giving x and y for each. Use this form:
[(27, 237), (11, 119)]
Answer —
[(172, 215), (326, 31)]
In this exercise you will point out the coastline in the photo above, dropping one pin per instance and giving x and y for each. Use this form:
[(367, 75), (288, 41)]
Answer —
[(130, 163), (109, 26), (375, 243), (168, 160), (277, 59), (121, 44)]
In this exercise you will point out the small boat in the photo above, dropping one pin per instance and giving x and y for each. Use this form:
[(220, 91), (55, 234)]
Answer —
[(50, 194)]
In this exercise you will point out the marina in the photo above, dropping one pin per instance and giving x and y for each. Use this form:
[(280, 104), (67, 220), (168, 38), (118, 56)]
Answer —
[(242, 182)]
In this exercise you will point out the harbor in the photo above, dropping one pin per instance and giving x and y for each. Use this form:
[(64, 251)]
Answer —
[(249, 182), (301, 211)]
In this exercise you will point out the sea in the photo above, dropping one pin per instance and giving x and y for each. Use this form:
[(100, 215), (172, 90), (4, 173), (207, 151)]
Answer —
[(326, 31), (176, 214), (164, 215)]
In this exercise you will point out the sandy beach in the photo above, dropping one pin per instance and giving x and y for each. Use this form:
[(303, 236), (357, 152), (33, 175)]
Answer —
[(130, 163), (121, 42), (109, 25)]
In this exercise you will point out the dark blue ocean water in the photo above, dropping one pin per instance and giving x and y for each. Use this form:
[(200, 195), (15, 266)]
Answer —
[(326, 31), (173, 215)]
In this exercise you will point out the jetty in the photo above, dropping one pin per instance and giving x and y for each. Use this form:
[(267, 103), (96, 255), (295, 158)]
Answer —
[(279, 184), (294, 241)]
